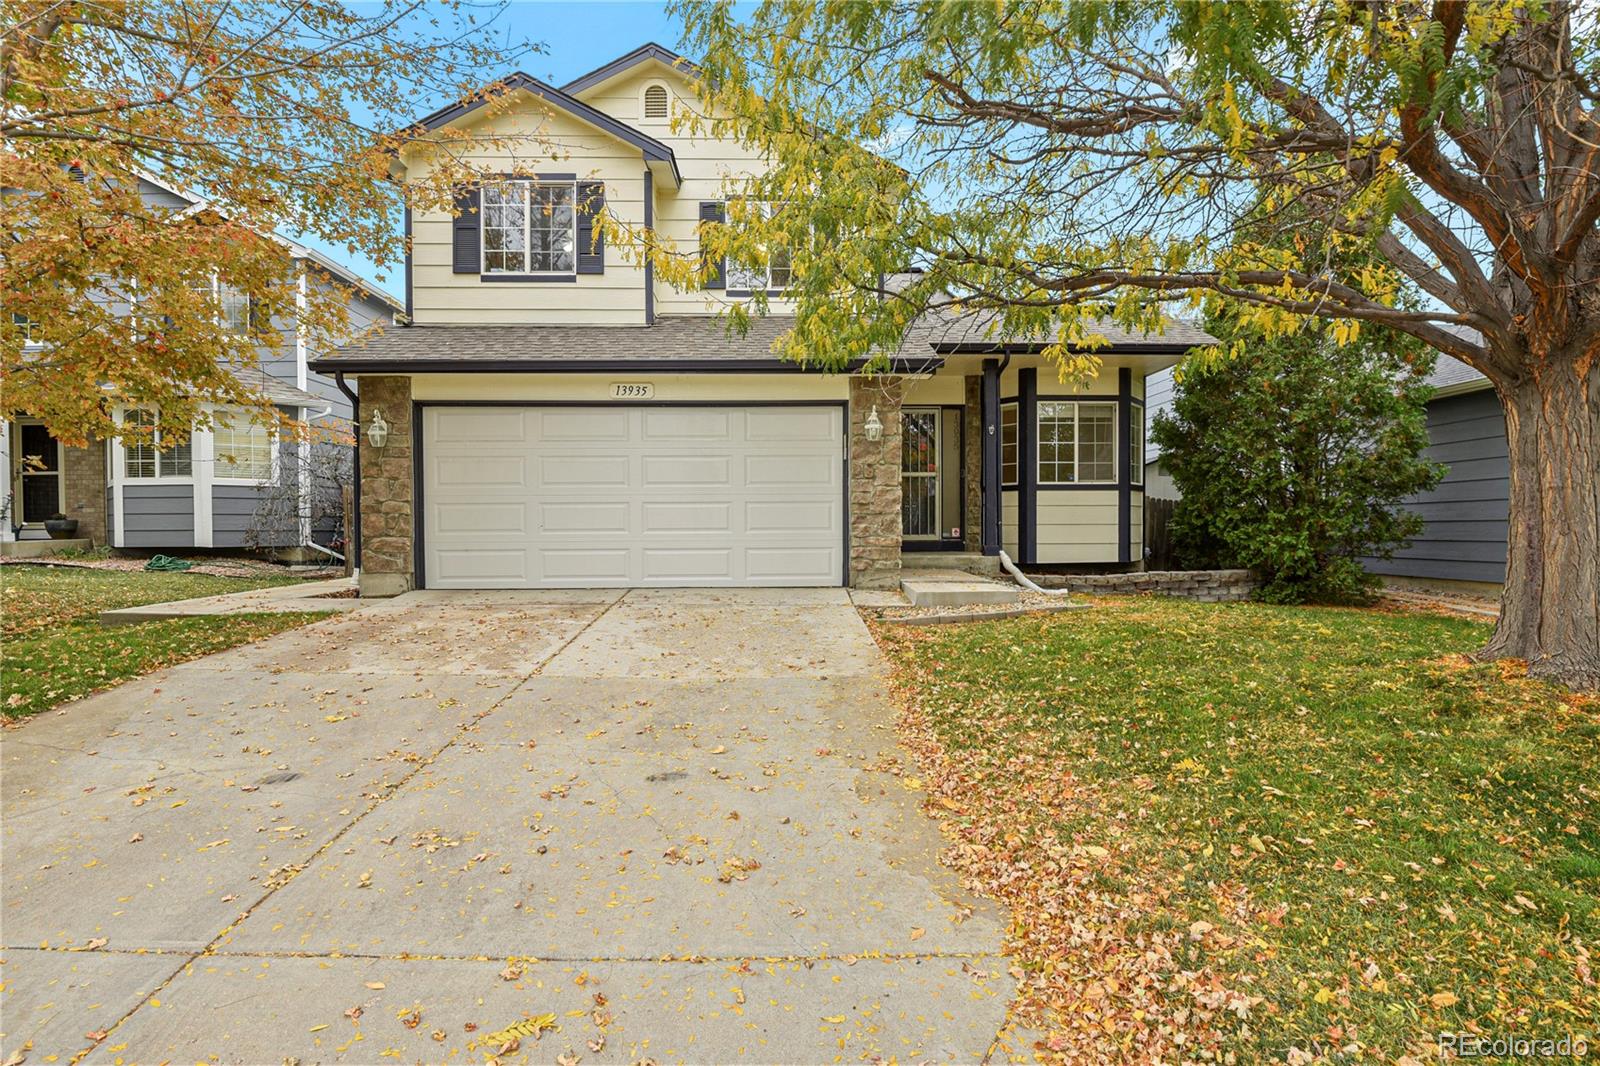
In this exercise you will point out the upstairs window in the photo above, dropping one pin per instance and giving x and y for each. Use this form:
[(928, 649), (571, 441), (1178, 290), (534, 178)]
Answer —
[(243, 447), (772, 276), (145, 459), (530, 227), (657, 104)]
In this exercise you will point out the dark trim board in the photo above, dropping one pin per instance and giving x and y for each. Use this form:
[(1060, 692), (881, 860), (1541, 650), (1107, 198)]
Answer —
[(1027, 466), (591, 366), (1124, 465), (528, 279), (653, 149), (419, 507)]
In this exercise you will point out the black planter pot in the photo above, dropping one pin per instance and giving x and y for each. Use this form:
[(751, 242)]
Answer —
[(61, 528)]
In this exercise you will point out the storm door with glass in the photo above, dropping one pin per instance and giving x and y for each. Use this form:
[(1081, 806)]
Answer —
[(919, 473)]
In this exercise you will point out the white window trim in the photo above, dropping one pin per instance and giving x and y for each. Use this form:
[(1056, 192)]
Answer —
[(119, 454), (527, 231), (218, 464), (728, 267), (1077, 440), (1136, 461), (1016, 422)]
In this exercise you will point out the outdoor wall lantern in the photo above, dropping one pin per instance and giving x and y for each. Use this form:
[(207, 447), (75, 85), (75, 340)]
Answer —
[(873, 425), (377, 430)]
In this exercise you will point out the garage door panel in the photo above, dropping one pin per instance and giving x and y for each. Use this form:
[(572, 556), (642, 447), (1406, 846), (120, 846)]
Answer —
[(676, 424), (572, 470), (468, 517), (475, 425), (784, 517), (799, 566), (622, 496), (663, 516), (789, 472), (581, 424), (687, 471), (465, 567), (807, 426), (589, 519), (677, 564), (602, 565), (481, 471)]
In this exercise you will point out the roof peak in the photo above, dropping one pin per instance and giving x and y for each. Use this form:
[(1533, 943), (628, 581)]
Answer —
[(650, 51)]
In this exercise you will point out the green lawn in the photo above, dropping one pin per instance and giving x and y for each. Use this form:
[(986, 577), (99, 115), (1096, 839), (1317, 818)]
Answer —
[(53, 649), (1278, 831)]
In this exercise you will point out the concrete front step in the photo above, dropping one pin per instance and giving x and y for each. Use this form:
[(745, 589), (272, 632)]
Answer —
[(968, 562), (952, 588)]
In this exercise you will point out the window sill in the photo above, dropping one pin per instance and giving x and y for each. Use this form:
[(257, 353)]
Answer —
[(745, 294), (135, 481), (528, 278)]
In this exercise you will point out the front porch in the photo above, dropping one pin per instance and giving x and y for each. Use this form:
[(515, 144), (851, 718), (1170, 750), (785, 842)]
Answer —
[(45, 478), (984, 454)]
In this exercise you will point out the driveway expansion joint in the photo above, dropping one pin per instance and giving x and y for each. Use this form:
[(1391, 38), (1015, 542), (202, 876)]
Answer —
[(390, 789)]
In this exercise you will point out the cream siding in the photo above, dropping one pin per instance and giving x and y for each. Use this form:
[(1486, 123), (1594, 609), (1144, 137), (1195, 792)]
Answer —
[(596, 388), (614, 297), (705, 162), (1077, 526), (1008, 521)]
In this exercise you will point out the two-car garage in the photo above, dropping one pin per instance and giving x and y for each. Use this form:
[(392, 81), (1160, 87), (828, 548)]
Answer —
[(590, 495)]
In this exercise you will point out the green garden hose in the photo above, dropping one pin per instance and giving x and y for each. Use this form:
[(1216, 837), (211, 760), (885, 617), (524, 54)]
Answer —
[(167, 562)]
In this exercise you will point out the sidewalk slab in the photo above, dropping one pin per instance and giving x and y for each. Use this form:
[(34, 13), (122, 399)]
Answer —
[(280, 599), (951, 588)]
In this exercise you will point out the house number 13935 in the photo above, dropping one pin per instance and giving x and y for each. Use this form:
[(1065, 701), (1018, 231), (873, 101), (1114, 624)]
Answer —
[(632, 390)]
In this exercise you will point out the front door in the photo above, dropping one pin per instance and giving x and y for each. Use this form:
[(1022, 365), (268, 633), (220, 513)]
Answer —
[(919, 473), (39, 462)]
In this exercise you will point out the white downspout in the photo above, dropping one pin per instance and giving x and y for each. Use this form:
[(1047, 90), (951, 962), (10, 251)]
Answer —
[(1011, 568)]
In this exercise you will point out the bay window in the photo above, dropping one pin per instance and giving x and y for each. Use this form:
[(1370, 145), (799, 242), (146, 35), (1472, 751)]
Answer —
[(1009, 455), (144, 458), (243, 447), (530, 227), (1077, 442)]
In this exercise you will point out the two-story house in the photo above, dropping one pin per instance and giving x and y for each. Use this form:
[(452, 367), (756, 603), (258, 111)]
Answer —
[(553, 415), (207, 492)]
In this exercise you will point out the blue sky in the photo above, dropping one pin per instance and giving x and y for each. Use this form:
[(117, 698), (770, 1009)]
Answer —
[(577, 37)]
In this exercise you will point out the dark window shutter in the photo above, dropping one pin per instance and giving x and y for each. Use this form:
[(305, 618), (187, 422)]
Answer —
[(711, 211), (76, 172), (591, 242), (466, 241)]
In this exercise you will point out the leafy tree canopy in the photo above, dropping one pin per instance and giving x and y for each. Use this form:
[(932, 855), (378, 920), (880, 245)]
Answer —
[(276, 116), (1294, 457), (1055, 161)]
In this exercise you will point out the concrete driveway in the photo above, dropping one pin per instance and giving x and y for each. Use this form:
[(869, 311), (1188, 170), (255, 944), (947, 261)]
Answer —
[(667, 818)]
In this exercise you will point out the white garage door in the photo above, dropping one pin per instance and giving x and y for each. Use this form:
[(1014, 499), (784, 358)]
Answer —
[(530, 497)]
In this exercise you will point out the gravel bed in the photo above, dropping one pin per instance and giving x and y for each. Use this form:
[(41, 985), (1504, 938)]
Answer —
[(1030, 601)]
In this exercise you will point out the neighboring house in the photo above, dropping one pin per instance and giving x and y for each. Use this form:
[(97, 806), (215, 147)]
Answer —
[(1464, 540), (553, 416), (205, 493), (1467, 515)]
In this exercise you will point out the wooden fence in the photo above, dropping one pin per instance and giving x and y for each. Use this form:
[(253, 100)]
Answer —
[(1158, 533)]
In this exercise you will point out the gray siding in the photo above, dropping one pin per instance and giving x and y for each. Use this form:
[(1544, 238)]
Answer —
[(158, 516), (365, 311), (1465, 536), (234, 509)]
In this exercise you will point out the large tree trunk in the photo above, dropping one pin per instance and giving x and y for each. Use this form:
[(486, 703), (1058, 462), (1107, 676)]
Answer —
[(1550, 614)]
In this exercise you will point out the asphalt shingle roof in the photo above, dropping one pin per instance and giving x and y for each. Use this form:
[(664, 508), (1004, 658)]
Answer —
[(691, 342), (279, 392)]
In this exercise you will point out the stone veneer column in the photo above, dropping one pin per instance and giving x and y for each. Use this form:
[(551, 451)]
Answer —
[(387, 489), (972, 465), (875, 483), (83, 489)]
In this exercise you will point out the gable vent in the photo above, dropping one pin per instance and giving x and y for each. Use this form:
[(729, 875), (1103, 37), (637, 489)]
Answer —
[(655, 102)]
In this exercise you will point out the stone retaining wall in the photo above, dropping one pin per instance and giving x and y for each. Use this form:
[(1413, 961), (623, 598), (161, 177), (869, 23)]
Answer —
[(1207, 586)]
